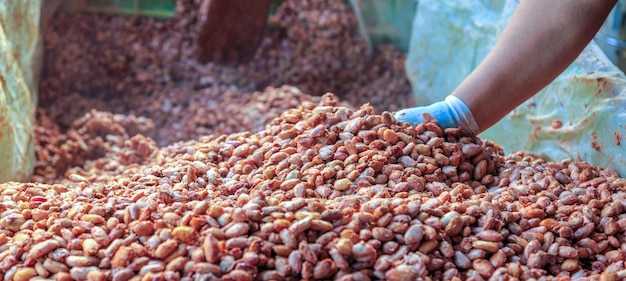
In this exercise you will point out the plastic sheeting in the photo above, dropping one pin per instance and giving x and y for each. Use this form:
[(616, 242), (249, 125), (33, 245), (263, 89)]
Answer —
[(150, 8), (588, 100), (386, 21), (20, 61)]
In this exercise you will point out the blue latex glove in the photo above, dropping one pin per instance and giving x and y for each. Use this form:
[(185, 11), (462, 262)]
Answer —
[(449, 113)]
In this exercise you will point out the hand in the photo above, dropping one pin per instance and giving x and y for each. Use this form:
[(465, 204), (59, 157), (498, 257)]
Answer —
[(449, 113)]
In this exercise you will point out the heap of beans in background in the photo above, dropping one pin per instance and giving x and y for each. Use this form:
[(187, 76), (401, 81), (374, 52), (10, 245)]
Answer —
[(88, 138), (97, 132), (323, 192), (146, 67)]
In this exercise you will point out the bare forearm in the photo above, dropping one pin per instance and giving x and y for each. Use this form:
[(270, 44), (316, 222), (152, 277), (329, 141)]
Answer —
[(540, 41)]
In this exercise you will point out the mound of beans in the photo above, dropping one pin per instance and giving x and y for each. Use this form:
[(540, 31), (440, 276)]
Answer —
[(322, 192)]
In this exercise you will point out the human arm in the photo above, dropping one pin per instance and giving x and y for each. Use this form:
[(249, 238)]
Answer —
[(539, 42)]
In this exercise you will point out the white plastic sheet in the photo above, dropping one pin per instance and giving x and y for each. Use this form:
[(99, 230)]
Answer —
[(450, 38), (20, 59)]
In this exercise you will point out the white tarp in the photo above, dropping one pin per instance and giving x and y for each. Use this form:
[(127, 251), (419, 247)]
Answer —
[(450, 38), (20, 60)]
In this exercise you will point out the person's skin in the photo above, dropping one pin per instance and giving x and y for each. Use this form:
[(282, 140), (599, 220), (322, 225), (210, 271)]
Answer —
[(540, 41)]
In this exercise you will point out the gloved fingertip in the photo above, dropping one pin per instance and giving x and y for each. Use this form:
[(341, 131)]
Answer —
[(399, 115), (406, 115)]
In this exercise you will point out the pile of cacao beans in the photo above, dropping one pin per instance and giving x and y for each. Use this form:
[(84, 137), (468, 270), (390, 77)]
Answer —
[(322, 192)]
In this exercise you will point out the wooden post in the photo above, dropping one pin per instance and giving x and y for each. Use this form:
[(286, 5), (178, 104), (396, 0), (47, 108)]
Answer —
[(231, 30)]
